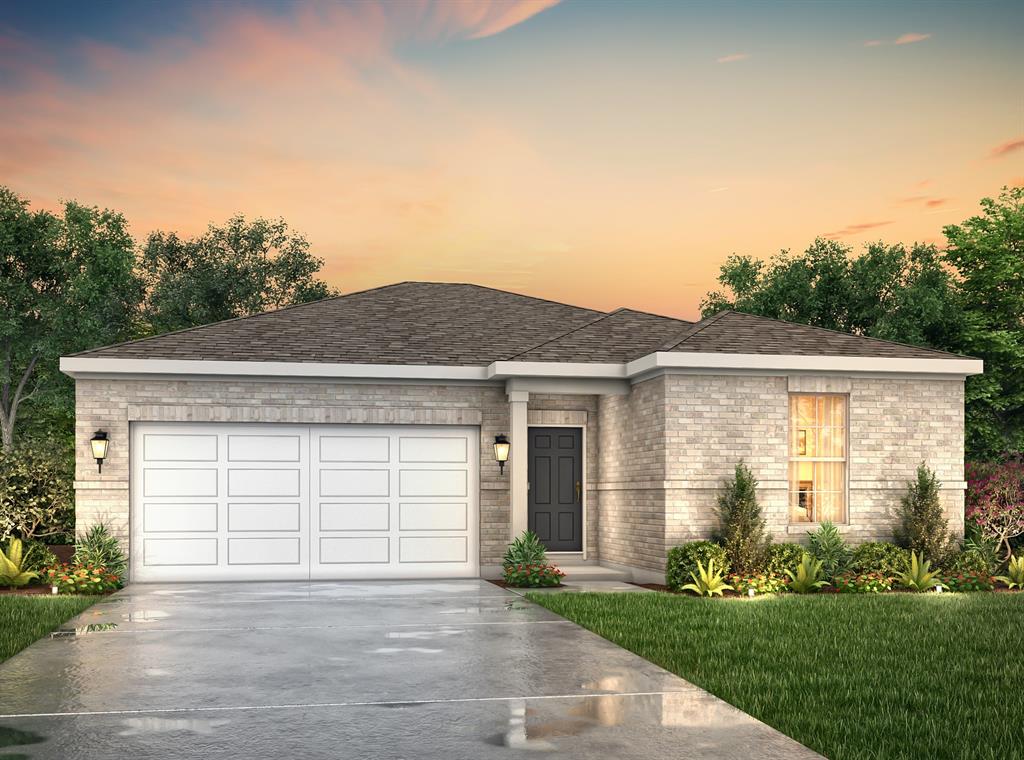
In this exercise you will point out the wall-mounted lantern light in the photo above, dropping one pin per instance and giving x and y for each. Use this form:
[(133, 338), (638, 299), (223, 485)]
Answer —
[(99, 442), (501, 449)]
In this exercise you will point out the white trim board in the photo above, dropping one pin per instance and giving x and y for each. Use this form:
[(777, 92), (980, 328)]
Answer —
[(656, 363)]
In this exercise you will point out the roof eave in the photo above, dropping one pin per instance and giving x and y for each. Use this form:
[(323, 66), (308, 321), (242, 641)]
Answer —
[(803, 363)]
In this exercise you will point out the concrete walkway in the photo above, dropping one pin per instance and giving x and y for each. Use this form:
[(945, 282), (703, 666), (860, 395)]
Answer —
[(447, 669)]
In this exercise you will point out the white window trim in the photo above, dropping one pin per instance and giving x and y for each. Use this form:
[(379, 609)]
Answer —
[(790, 458)]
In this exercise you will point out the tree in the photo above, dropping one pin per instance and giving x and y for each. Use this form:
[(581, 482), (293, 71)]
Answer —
[(235, 270), (66, 284), (742, 532), (988, 253), (922, 526), (995, 502), (887, 292)]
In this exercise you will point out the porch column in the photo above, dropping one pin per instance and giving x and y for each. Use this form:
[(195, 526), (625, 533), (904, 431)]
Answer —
[(519, 484)]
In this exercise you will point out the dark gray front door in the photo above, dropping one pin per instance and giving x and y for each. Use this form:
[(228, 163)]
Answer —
[(556, 487)]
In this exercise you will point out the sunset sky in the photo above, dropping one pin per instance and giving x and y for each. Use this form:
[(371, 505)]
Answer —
[(605, 154)]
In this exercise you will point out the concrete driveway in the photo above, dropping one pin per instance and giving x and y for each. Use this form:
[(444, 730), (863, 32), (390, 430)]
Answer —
[(446, 669)]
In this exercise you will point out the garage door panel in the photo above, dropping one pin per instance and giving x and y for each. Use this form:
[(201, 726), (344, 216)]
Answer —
[(355, 516), (432, 449), (179, 518), (433, 549), (433, 482), (264, 551), (370, 550), (179, 482), (355, 448), (376, 482), (179, 448), (264, 517), (433, 516), (263, 482), (264, 448), (159, 552)]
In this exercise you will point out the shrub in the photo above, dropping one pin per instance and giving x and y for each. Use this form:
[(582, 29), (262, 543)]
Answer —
[(533, 576), (969, 581), (762, 583), (1014, 577), (683, 561), (527, 549), (707, 581), (994, 502), (100, 549), (862, 583), (807, 577), (12, 568), (81, 578), (38, 556), (922, 527), (920, 576), (36, 496), (827, 545), (783, 558), (879, 557), (968, 561), (742, 531)]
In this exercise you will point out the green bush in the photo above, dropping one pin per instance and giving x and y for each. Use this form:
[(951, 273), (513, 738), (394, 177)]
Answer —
[(808, 576), (828, 547), (533, 576), (38, 556), (862, 583), (527, 549), (13, 572), (707, 581), (969, 581), (81, 578), (920, 576), (36, 493), (922, 526), (783, 558), (97, 548), (880, 557), (742, 531), (684, 561), (968, 561)]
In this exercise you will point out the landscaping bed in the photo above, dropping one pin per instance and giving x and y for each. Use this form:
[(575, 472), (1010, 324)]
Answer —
[(28, 617), (849, 675)]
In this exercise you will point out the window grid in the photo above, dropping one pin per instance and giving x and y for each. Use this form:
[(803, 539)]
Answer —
[(817, 458)]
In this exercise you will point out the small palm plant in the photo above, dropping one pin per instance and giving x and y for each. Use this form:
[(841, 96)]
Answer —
[(707, 581), (920, 577), (12, 572), (525, 550), (1014, 577), (807, 577)]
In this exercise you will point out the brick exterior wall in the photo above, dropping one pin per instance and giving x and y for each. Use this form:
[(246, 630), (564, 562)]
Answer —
[(667, 447), (113, 404), (655, 458)]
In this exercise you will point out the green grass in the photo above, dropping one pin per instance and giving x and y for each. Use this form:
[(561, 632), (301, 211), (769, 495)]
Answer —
[(24, 619), (891, 676)]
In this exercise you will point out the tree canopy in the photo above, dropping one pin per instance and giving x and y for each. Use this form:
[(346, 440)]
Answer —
[(67, 283), (968, 299), (233, 270)]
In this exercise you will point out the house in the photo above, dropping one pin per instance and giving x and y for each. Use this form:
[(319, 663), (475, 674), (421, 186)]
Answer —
[(354, 437)]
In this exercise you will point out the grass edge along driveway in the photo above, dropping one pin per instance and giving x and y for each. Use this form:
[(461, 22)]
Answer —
[(850, 676), (27, 618)]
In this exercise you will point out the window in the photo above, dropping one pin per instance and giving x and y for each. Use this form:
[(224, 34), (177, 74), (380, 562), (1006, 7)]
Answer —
[(817, 458)]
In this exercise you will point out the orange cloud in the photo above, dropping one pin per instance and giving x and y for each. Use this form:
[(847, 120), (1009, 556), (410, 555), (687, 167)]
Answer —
[(935, 202), (1007, 147), (733, 58), (910, 37), (855, 229), (903, 39)]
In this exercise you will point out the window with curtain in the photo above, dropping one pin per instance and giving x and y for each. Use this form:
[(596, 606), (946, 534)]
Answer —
[(817, 458)]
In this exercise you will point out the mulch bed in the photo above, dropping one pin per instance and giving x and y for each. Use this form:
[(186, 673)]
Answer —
[(26, 591)]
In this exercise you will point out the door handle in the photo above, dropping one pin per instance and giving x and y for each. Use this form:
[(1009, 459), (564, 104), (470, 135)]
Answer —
[(579, 490)]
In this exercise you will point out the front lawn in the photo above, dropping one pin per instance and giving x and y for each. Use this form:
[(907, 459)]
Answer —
[(851, 676), (23, 619)]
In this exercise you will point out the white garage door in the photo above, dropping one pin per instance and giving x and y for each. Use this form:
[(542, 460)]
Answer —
[(282, 502)]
